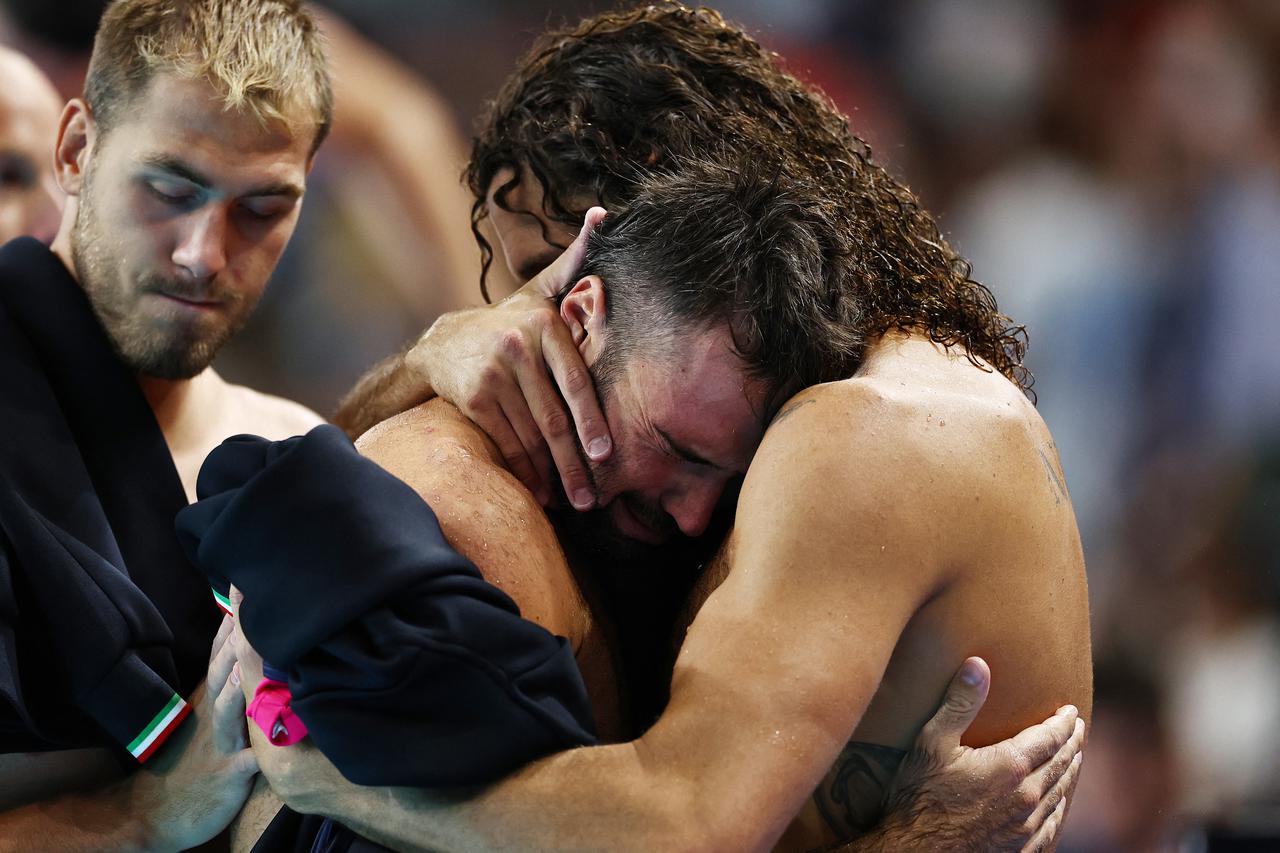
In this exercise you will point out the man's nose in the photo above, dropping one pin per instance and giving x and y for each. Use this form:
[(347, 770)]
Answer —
[(202, 248), (693, 506)]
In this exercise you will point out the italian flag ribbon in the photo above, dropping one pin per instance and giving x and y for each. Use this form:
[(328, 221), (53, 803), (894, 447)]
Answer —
[(161, 726), (223, 602)]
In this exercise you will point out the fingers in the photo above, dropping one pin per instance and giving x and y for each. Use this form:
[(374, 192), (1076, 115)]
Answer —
[(965, 696), (1051, 771), (228, 718), (220, 639), (492, 417), (1056, 798), (557, 436), (237, 598), (223, 659), (1035, 747), (1046, 836), (560, 273), (244, 763), (574, 381)]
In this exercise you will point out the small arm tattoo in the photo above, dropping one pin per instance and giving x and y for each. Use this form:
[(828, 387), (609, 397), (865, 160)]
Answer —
[(851, 796)]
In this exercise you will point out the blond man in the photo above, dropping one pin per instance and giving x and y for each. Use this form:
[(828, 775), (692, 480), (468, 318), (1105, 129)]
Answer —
[(184, 164)]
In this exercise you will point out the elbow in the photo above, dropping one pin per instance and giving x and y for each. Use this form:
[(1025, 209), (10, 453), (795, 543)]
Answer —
[(698, 821)]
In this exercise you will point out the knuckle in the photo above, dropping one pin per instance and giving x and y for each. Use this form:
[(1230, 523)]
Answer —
[(572, 476), (517, 461), (512, 345), (1019, 767), (555, 423), (477, 403), (960, 704), (1026, 800), (576, 381), (536, 445)]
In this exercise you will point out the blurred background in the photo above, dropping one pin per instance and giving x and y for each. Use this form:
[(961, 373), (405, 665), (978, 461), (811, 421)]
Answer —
[(1111, 168)]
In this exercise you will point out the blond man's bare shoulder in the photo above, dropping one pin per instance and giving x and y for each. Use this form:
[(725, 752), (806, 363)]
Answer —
[(267, 415)]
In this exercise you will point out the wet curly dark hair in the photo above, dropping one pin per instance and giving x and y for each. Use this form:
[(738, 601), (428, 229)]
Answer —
[(593, 111)]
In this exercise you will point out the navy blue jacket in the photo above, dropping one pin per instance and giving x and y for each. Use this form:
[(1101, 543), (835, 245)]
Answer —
[(407, 667), (104, 625)]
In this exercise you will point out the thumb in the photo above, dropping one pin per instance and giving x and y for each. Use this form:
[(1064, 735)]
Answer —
[(244, 763), (965, 696), (560, 273)]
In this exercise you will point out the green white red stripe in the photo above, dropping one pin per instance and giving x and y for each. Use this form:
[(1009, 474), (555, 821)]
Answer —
[(224, 603), (160, 727)]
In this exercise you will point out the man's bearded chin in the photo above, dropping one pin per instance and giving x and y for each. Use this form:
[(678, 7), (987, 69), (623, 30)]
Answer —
[(162, 350), (593, 537)]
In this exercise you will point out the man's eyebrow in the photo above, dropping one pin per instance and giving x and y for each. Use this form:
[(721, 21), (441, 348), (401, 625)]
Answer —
[(176, 167), (183, 170), (684, 452)]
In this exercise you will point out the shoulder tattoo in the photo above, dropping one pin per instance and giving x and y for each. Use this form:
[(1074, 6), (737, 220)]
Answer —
[(790, 408), (851, 796), (1055, 476)]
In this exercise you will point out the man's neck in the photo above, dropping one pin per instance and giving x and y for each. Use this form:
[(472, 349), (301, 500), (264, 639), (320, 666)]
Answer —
[(168, 398)]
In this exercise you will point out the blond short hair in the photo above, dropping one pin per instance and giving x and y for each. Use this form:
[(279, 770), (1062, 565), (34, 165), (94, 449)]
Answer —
[(265, 56)]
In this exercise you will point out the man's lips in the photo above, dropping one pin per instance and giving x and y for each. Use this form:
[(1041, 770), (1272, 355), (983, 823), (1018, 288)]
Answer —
[(633, 526), (200, 302)]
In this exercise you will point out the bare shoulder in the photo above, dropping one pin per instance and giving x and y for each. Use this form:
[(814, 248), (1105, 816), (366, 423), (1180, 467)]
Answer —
[(484, 511), (270, 416), (435, 424), (917, 429)]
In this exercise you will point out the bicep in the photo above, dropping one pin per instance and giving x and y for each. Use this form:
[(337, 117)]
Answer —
[(484, 513), (782, 660)]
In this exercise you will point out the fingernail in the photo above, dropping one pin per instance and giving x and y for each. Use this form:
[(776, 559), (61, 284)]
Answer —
[(235, 674), (583, 499), (1065, 710), (970, 675), (598, 447)]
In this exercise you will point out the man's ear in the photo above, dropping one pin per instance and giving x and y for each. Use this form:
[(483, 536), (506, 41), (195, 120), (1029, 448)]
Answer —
[(77, 133), (583, 311)]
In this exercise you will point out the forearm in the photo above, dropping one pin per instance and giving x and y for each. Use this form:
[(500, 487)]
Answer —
[(387, 389), (586, 799), (890, 835), (102, 820)]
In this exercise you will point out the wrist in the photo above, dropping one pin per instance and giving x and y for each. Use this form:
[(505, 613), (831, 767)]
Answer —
[(143, 828)]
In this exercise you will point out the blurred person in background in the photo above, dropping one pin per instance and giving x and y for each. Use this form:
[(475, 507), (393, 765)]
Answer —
[(30, 200), (1222, 677)]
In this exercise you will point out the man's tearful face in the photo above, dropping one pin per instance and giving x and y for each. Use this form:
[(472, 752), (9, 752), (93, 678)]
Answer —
[(685, 425)]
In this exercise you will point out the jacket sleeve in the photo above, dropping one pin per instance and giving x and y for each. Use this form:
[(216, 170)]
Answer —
[(406, 666)]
